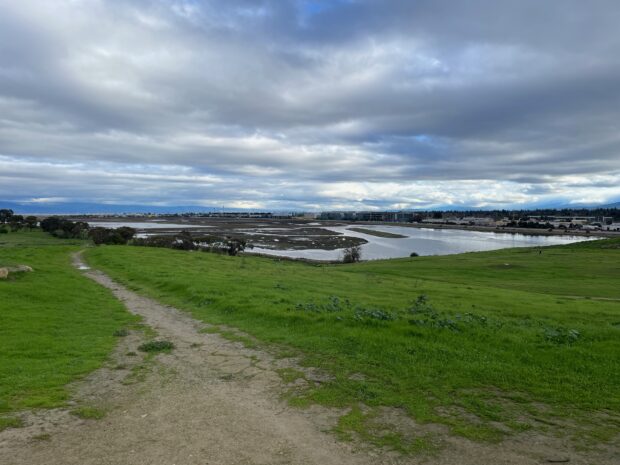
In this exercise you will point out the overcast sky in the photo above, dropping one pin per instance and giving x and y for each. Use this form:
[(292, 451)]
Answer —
[(301, 104)]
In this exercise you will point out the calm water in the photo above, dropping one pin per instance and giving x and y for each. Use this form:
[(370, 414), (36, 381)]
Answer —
[(425, 242)]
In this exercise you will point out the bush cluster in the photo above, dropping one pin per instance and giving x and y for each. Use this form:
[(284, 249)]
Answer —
[(368, 314), (118, 236), (65, 229), (422, 313), (333, 305), (10, 221), (185, 241), (352, 254)]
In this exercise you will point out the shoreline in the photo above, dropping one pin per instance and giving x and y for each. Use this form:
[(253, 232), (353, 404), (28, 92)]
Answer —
[(493, 229)]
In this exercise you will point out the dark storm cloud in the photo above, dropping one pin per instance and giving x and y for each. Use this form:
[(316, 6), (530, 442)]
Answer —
[(314, 104)]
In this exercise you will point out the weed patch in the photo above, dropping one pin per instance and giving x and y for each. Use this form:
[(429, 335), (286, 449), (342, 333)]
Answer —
[(365, 425), (10, 422), (156, 346), (561, 336), (290, 375), (88, 413)]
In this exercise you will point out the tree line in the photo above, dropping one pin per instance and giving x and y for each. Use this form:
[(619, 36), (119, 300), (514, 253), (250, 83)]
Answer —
[(67, 229), (10, 221), (63, 228)]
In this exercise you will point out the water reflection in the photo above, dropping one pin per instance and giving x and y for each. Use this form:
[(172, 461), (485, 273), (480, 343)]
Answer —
[(425, 241)]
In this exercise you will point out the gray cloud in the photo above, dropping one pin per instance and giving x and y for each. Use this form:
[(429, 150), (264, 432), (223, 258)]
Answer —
[(306, 104)]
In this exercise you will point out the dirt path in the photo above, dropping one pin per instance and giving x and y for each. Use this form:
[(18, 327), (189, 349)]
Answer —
[(210, 401)]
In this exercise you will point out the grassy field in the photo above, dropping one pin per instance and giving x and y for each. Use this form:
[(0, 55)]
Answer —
[(486, 343), (55, 325)]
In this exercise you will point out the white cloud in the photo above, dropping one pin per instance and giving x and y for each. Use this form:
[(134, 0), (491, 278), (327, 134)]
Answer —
[(363, 104)]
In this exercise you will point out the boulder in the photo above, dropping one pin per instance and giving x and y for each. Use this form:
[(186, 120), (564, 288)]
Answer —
[(19, 269), (4, 271)]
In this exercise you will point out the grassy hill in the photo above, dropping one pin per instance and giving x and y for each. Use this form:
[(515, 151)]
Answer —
[(55, 325), (486, 343)]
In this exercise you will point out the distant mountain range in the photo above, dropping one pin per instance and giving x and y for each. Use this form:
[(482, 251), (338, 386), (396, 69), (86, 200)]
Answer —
[(80, 208), (553, 206), (610, 205)]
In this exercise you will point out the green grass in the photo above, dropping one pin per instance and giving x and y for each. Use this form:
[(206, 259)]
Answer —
[(359, 425), (491, 347), (88, 413), (9, 422), (55, 324), (586, 269), (290, 375)]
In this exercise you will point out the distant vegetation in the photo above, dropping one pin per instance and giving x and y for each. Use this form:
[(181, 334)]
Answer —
[(374, 232), (185, 241), (63, 228), (67, 229), (611, 212), (12, 222), (117, 236)]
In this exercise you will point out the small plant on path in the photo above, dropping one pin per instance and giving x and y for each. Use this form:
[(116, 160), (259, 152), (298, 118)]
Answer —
[(156, 346)]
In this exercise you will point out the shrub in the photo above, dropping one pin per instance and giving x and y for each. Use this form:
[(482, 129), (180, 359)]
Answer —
[(424, 314), (561, 335), (31, 221), (422, 305), (413, 254), (65, 229), (119, 236), (332, 306), (185, 241), (352, 254), (365, 314), (5, 215)]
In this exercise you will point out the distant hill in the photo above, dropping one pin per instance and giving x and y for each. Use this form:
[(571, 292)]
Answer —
[(585, 206), (83, 208), (71, 208), (542, 206), (457, 208), (610, 205)]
